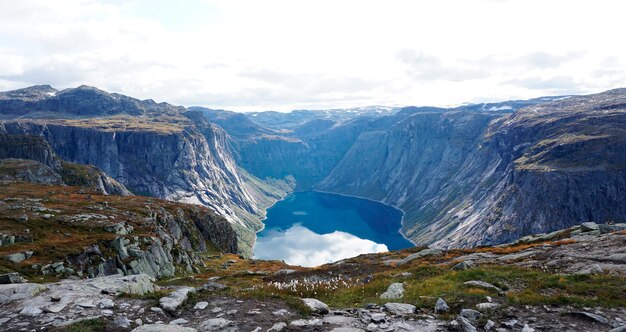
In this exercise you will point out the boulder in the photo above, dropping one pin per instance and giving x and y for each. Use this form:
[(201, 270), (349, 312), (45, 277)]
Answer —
[(316, 306), (465, 325), (217, 324), (604, 228), (470, 314), (200, 305), (590, 316), (487, 306), (19, 257), (163, 328), (14, 292), (400, 309), (394, 291), (464, 265), (175, 299), (138, 284), (589, 226), (122, 321), (423, 253), (212, 286), (278, 327), (482, 284), (12, 278), (441, 306)]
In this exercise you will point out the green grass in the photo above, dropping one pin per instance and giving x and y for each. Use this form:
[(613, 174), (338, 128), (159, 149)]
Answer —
[(429, 282)]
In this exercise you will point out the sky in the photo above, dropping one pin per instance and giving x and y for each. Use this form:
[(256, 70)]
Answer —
[(296, 54)]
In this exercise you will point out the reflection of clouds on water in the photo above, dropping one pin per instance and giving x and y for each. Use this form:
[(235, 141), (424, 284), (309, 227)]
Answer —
[(299, 213), (300, 246)]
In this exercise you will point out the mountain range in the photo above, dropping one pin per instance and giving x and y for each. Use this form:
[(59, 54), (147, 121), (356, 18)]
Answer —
[(465, 176)]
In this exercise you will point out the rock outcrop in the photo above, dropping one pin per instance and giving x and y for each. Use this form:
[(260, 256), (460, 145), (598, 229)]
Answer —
[(27, 158), (76, 231)]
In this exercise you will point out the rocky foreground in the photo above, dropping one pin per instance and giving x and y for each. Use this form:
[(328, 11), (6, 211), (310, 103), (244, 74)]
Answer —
[(570, 280)]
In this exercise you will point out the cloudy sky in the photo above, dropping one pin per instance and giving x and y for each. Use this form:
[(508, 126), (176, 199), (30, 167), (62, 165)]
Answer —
[(285, 54), (300, 246)]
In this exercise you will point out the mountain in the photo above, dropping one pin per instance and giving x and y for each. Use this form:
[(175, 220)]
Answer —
[(469, 175), (153, 149), (25, 158), (476, 178)]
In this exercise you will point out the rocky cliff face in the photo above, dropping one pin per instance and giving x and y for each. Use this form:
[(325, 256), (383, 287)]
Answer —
[(65, 230), (467, 179), (27, 158), (154, 149)]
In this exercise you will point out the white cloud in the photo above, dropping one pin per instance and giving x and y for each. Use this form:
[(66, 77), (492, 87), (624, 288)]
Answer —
[(281, 54), (300, 246)]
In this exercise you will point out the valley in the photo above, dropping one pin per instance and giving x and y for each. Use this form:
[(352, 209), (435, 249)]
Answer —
[(119, 214)]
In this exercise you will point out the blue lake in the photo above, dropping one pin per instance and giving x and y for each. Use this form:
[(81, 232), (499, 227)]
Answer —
[(313, 228)]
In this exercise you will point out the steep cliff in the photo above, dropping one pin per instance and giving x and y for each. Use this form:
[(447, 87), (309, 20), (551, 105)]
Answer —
[(472, 178), (66, 230), (153, 149), (27, 158)]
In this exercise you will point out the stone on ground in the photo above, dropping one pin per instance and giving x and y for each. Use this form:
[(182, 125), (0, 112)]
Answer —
[(175, 299), (400, 309), (441, 306), (394, 291), (482, 284), (316, 306), (163, 328)]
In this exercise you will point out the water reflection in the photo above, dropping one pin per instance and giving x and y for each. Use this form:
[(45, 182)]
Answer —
[(300, 246)]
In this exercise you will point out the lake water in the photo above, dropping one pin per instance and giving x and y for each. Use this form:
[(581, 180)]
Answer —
[(313, 228)]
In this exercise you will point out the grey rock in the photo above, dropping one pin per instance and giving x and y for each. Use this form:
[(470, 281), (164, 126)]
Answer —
[(316, 306), (464, 265), (200, 305), (216, 324), (482, 284), (213, 286), (441, 306), (106, 304), (470, 314), (590, 316), (179, 321), (604, 228), (527, 328), (378, 317), (122, 321), (281, 312), (31, 311), (487, 306), (19, 257), (175, 299), (489, 325), (417, 255), (163, 328), (394, 291), (12, 278), (15, 292), (619, 329), (589, 226), (400, 309), (346, 329), (303, 323), (277, 327), (465, 325), (510, 323)]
